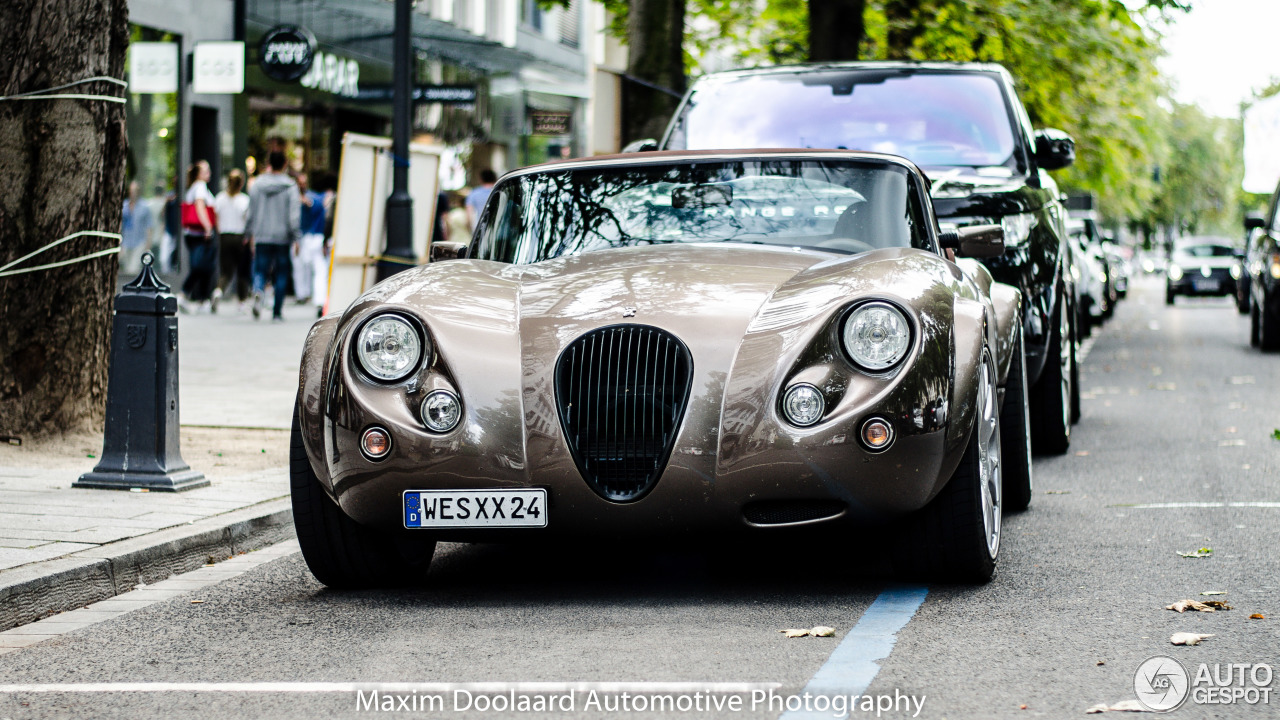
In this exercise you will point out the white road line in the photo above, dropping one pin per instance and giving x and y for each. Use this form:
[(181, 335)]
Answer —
[(1085, 348), (725, 688), (856, 660), (1174, 505)]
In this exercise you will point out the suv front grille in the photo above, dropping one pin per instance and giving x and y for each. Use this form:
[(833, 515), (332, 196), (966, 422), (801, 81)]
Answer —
[(621, 392)]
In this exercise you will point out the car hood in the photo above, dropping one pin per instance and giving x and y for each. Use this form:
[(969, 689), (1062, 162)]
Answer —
[(980, 192), (1190, 261)]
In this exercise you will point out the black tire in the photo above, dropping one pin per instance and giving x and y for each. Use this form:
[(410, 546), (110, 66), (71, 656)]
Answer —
[(1075, 378), (1242, 296), (1254, 324), (1051, 395), (946, 540), (1268, 327), (340, 552), (1168, 296), (1083, 320), (1015, 432)]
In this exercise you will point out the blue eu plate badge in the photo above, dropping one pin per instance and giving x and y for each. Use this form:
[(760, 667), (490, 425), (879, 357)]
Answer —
[(526, 507)]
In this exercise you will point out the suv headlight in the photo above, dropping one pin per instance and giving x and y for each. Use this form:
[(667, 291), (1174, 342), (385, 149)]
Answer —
[(1175, 272), (1017, 228), (389, 348), (876, 336)]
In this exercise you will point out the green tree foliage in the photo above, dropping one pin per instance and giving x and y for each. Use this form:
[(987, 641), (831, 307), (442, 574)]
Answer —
[(1198, 188)]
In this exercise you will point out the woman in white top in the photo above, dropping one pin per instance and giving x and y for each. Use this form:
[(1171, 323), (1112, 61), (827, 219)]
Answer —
[(234, 255), (198, 237)]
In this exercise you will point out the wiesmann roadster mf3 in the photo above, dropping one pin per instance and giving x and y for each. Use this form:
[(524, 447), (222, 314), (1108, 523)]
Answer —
[(673, 345)]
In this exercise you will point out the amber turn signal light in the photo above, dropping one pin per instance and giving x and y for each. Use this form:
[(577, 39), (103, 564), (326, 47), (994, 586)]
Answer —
[(375, 443), (877, 434)]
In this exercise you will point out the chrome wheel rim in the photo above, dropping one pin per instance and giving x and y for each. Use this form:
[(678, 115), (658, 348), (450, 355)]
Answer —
[(988, 429)]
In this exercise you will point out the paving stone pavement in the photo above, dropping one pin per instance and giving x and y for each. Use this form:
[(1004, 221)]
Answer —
[(233, 372)]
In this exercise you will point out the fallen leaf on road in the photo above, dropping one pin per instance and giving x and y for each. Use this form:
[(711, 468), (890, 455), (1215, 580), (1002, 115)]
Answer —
[(1022, 707), (1201, 553), (1217, 604), (1185, 605), (822, 631), (794, 633), (1122, 706), (1082, 453), (1257, 616), (1214, 592), (197, 602), (1275, 434), (1102, 662), (1186, 638)]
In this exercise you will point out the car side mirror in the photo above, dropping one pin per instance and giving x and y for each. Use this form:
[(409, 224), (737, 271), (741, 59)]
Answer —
[(974, 241), (1054, 149), (449, 251), (645, 145), (1254, 221)]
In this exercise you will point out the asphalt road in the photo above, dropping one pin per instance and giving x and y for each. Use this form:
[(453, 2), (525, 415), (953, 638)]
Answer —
[(1178, 410)]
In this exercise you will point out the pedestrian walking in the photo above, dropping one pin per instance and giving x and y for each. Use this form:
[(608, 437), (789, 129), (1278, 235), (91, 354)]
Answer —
[(275, 215), (232, 207), (310, 271), (198, 235), (135, 231), (480, 195), (457, 226), (172, 213)]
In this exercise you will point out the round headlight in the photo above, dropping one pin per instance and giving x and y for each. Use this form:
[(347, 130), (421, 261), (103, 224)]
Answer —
[(876, 336), (441, 411), (389, 348), (803, 405), (1175, 272)]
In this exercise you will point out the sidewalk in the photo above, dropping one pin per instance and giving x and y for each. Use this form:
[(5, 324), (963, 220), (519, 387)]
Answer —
[(238, 379)]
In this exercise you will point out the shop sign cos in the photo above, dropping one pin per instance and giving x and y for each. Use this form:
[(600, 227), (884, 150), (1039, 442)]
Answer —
[(218, 68)]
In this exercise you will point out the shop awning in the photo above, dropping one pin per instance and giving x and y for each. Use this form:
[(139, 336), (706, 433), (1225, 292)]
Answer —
[(365, 28)]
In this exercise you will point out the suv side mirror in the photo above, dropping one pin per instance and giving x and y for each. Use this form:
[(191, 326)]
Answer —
[(1054, 149), (1254, 221), (974, 241), (449, 251), (645, 145)]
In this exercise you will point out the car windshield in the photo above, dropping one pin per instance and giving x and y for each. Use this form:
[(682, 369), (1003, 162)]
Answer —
[(1205, 251), (839, 206), (934, 119)]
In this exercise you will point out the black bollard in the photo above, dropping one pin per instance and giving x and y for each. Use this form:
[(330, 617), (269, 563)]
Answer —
[(140, 444)]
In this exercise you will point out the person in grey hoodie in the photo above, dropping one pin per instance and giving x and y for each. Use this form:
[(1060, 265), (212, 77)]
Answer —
[(273, 228)]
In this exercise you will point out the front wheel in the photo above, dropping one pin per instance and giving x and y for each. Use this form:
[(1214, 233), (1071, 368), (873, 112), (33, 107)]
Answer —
[(1254, 324), (956, 537), (340, 552), (1268, 326), (1052, 394)]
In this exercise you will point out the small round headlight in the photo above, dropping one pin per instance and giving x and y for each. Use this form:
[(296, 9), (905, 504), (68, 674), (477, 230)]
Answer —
[(441, 411), (389, 348), (1175, 272), (876, 336), (803, 405)]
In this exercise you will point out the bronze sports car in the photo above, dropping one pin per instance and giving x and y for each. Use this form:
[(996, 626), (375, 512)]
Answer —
[(673, 345)]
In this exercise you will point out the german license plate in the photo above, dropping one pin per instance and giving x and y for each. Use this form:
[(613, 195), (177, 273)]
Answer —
[(1206, 285), (475, 508)]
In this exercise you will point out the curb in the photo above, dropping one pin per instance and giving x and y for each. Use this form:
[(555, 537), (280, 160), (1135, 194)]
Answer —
[(30, 592)]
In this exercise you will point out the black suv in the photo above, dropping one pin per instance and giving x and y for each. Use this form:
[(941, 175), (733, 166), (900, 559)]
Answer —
[(1262, 277), (964, 125)]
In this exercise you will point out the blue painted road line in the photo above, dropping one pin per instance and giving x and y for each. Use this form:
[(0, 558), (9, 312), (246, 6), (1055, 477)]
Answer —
[(856, 660)]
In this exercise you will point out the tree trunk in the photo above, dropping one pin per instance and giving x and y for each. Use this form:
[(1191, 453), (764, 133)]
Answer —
[(655, 54), (62, 163), (836, 29)]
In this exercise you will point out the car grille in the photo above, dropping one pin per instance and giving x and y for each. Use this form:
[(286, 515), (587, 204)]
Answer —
[(784, 512), (621, 393)]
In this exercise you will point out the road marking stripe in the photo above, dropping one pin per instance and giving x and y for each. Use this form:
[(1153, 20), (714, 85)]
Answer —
[(1173, 505), (856, 660), (726, 688)]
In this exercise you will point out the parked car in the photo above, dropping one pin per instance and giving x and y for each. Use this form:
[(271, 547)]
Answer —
[(962, 123), (1089, 270), (1262, 267), (672, 344), (1201, 266)]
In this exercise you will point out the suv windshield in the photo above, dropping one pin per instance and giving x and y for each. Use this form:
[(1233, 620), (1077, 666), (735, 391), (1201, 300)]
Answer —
[(934, 119), (840, 206)]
